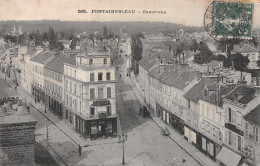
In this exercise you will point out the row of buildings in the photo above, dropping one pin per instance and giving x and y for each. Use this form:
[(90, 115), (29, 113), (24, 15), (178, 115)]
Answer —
[(217, 112), (76, 85)]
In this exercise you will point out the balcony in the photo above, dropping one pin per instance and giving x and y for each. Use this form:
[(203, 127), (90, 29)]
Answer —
[(94, 65)]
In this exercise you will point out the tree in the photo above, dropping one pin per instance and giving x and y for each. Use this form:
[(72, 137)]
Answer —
[(74, 43), (52, 39), (204, 56), (240, 62), (105, 32), (137, 50), (219, 57)]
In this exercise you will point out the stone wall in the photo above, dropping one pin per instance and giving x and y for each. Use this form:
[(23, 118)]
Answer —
[(17, 140)]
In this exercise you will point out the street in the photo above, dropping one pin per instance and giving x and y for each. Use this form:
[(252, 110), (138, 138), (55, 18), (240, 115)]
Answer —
[(144, 143)]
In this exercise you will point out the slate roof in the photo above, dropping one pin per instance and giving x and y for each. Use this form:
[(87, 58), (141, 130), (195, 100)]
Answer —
[(42, 57), (247, 92), (254, 116), (57, 64), (246, 48), (214, 63), (195, 92)]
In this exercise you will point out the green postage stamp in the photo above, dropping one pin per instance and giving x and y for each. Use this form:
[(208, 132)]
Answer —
[(229, 20)]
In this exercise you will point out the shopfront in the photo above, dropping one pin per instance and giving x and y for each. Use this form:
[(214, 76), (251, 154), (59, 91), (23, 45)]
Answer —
[(103, 127), (207, 146), (170, 118), (190, 135), (38, 93)]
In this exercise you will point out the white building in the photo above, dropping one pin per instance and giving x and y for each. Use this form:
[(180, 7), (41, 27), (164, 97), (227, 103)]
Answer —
[(90, 99)]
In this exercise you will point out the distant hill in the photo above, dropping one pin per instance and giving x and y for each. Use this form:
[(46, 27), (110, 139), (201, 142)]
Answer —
[(88, 26)]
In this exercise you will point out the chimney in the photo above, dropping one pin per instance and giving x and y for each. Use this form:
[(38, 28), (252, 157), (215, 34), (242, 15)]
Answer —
[(162, 68), (157, 62)]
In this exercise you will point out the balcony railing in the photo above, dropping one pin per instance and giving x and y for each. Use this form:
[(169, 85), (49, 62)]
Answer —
[(94, 65)]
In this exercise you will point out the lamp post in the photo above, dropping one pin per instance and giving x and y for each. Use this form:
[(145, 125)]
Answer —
[(123, 139)]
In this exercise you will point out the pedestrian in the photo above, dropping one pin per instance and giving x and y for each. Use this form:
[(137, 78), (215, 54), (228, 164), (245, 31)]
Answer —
[(80, 150), (120, 75), (15, 88), (45, 109), (35, 99)]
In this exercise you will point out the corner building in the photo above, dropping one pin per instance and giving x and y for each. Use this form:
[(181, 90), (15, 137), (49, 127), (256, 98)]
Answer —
[(89, 95)]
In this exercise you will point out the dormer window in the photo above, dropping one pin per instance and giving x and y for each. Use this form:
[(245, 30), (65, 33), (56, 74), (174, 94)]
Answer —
[(205, 93), (90, 61), (105, 60)]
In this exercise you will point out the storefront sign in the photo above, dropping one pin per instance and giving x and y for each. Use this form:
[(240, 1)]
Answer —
[(101, 102), (234, 129)]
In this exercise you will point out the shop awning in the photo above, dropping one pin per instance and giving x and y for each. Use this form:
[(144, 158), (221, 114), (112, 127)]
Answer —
[(228, 157)]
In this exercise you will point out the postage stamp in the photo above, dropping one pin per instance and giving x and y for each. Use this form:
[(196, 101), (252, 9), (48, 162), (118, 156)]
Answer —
[(229, 20)]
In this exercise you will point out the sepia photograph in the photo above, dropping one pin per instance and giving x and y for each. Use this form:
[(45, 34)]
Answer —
[(129, 82)]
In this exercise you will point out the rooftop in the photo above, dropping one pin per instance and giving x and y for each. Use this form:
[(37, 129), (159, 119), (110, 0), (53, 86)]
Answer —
[(246, 48), (6, 92), (57, 64), (254, 116), (242, 94), (195, 92), (43, 57)]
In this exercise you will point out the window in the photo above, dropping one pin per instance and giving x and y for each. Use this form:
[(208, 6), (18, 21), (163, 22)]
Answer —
[(75, 88), (234, 117), (100, 93), (75, 74), (108, 92), (202, 109), (92, 77), (255, 133), (92, 111), (90, 61), (239, 118), (108, 76), (229, 114), (100, 75), (109, 110), (67, 84), (229, 137), (213, 114), (92, 93), (207, 111), (105, 60), (70, 87), (246, 131), (239, 143)]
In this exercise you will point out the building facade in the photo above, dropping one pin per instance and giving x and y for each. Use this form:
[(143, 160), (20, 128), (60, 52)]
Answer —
[(89, 95)]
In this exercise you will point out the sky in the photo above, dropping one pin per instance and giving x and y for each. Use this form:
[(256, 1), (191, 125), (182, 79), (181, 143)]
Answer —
[(187, 12)]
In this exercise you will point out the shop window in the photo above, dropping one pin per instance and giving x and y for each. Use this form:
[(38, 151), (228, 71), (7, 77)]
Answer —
[(109, 110), (92, 111), (67, 116)]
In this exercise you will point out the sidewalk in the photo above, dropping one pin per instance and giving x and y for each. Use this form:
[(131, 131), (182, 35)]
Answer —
[(64, 127), (176, 137)]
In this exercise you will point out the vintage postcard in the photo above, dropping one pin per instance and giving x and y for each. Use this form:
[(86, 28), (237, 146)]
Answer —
[(120, 82)]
